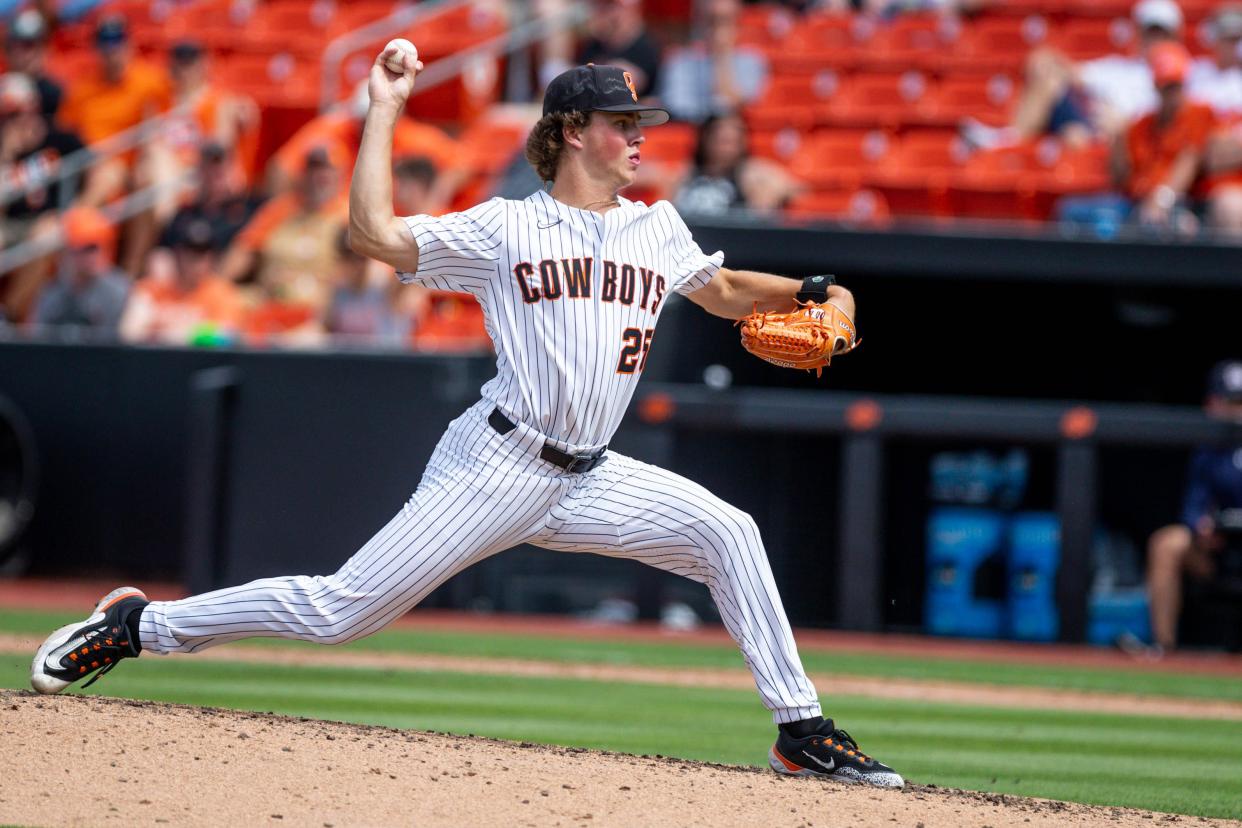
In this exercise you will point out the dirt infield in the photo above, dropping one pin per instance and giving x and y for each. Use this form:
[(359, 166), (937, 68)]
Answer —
[(71, 760)]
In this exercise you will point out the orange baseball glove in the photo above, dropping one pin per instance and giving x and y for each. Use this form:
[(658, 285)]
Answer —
[(807, 337)]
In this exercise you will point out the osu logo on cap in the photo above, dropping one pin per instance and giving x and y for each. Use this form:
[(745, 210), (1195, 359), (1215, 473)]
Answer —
[(629, 81)]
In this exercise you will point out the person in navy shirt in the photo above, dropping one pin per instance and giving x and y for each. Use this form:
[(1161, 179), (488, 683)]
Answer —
[(1193, 546)]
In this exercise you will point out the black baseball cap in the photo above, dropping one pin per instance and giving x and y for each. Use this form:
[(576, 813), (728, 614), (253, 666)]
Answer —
[(598, 88), (111, 32), (186, 51), (1225, 381)]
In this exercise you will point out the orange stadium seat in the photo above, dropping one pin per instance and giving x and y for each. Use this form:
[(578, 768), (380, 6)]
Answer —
[(671, 143), (911, 41), (351, 16), (998, 44), (1108, 9), (1085, 39), (879, 101), (999, 183), (765, 26), (210, 23), (987, 99), (777, 144), (855, 206), (915, 177), (491, 142), (285, 26), (282, 79), (820, 41), (456, 30), (1018, 8), (790, 100), (839, 159)]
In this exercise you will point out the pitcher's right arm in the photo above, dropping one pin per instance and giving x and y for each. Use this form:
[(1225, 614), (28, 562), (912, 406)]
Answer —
[(373, 229)]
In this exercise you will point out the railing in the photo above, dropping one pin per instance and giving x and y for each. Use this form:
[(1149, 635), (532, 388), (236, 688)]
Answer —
[(340, 48), (440, 72), (78, 162), (515, 39), (116, 212)]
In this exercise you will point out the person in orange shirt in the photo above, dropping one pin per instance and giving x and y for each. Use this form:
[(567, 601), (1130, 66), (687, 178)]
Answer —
[(290, 243), (194, 300), (121, 92), (1159, 158), (342, 127), (213, 115)]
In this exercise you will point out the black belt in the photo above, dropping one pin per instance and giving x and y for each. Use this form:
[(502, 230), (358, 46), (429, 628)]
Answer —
[(577, 463)]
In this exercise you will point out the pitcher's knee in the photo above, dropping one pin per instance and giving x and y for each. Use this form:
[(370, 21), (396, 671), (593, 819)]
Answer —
[(738, 534)]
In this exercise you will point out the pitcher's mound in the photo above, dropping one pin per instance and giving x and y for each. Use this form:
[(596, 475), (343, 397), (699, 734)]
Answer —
[(71, 760)]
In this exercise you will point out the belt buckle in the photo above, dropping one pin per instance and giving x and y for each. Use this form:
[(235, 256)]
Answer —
[(584, 463)]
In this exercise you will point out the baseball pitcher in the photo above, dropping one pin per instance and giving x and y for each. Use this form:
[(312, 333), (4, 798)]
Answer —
[(572, 281)]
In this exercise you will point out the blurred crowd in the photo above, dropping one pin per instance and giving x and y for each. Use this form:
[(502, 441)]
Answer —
[(237, 245), (229, 251)]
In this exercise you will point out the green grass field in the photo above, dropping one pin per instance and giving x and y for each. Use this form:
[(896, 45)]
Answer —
[(1179, 765)]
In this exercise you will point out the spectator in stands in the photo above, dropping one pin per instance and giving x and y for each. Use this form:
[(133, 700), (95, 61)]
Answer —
[(413, 186), (360, 309), (1160, 157), (221, 200), (25, 51), (213, 115), (31, 152), (119, 93), (193, 303), (342, 130), (89, 290), (1194, 546), (726, 177), (1217, 80), (714, 74), (618, 36), (290, 243), (1096, 98)]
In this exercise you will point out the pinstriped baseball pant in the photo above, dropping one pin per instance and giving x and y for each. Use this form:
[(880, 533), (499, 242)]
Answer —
[(482, 493)]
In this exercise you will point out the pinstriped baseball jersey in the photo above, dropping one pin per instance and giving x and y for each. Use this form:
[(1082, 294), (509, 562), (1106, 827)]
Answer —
[(570, 298)]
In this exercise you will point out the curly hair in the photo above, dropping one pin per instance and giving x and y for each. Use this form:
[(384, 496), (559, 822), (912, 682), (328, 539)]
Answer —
[(547, 140)]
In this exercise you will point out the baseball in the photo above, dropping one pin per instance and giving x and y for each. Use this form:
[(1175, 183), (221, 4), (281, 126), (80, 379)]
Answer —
[(403, 47)]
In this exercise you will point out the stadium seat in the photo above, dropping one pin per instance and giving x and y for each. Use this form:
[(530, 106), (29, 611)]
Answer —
[(777, 144), (672, 143), (999, 183), (1107, 9), (455, 30), (987, 99), (996, 45), (910, 41), (493, 142), (866, 207), (765, 26), (820, 41), (878, 101), (915, 176), (1084, 39), (790, 101), (838, 159), (269, 79), (351, 16)]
